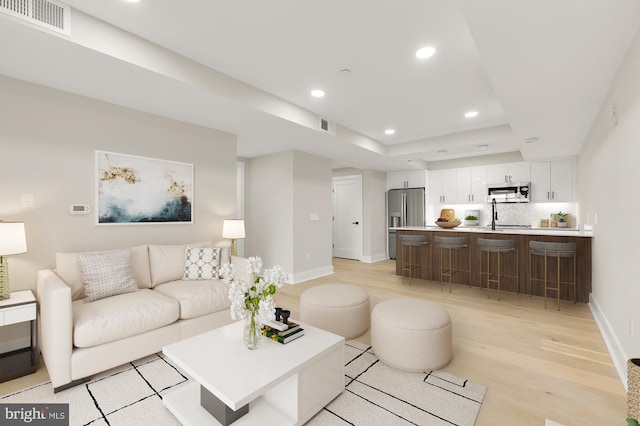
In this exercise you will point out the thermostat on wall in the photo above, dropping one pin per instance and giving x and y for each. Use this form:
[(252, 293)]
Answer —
[(79, 209)]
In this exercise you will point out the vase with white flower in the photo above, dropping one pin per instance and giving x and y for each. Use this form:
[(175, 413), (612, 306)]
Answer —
[(253, 300)]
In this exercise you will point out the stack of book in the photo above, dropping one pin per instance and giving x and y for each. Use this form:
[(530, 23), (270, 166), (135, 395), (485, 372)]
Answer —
[(281, 332)]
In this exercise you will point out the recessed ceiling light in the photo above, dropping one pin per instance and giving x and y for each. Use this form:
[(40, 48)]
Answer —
[(389, 132), (483, 146), (317, 93), (345, 71), (442, 151), (425, 52), (471, 114), (531, 140)]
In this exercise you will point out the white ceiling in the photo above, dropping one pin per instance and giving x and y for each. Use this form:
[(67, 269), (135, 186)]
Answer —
[(531, 68)]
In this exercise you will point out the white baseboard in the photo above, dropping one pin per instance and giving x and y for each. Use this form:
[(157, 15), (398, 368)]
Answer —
[(374, 259), (616, 350), (311, 274)]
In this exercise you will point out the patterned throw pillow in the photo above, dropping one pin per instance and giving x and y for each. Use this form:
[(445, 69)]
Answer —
[(201, 263), (107, 274)]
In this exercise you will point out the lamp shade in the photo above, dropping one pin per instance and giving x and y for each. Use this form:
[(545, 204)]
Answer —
[(12, 238), (233, 228)]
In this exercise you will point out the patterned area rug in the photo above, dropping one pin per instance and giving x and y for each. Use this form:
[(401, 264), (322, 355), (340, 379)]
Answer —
[(374, 395)]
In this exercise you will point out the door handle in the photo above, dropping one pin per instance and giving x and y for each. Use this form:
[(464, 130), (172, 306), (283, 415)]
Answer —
[(355, 223)]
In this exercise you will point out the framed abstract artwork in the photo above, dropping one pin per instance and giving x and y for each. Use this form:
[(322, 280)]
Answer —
[(140, 190)]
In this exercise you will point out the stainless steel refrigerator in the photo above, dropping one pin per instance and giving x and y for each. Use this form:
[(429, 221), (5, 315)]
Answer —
[(405, 207)]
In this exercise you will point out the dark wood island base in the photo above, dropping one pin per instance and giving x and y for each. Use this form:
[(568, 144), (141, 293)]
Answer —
[(583, 262)]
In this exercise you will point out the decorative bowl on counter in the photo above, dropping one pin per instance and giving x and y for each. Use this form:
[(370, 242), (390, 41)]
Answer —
[(449, 224)]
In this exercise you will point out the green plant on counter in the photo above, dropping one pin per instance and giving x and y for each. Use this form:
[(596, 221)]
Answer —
[(632, 422), (470, 217), (562, 217)]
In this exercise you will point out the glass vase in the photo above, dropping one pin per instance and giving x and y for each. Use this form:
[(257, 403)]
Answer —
[(252, 334)]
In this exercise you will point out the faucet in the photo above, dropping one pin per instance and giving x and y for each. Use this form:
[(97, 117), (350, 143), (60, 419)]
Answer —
[(494, 214)]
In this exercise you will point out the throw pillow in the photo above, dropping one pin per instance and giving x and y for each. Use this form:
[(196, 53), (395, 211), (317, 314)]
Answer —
[(107, 274), (201, 263)]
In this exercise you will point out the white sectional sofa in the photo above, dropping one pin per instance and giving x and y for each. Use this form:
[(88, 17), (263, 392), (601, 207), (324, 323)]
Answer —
[(79, 338)]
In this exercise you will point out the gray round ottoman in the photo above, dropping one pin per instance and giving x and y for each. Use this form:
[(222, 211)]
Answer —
[(411, 334), (341, 309)]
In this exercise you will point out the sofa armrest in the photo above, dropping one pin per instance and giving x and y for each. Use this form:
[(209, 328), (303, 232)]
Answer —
[(56, 326), (240, 265)]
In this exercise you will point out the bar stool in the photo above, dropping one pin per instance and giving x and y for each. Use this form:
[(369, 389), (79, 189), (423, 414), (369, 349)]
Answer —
[(447, 245), (412, 246), (557, 251), (499, 247)]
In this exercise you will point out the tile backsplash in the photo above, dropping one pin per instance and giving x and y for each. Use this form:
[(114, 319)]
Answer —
[(508, 213)]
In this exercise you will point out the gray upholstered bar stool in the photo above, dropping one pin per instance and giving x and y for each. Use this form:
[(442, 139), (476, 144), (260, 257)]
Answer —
[(555, 251), (446, 246), (412, 247), (499, 247)]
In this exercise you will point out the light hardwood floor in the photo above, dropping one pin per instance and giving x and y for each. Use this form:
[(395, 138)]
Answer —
[(537, 364)]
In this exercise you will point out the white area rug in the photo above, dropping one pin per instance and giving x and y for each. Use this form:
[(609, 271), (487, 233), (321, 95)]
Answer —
[(374, 395)]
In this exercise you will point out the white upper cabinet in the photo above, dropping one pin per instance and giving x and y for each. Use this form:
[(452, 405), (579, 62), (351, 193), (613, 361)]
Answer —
[(509, 173), (407, 179), (442, 187), (471, 185), (552, 180)]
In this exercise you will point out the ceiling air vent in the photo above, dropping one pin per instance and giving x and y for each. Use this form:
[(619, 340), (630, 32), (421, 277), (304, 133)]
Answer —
[(47, 14), (325, 125)]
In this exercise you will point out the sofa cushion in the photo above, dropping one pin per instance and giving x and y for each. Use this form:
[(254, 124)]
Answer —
[(68, 268), (167, 261), (197, 298), (201, 263), (140, 261), (118, 317), (107, 274)]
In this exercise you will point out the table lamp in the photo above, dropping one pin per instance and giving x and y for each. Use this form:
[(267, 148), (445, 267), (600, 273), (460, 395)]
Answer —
[(12, 241), (233, 229)]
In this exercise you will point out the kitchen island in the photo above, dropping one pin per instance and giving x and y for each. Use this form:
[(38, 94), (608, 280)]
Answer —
[(522, 238)]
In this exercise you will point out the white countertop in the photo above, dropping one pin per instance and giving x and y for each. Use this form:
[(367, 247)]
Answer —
[(559, 232)]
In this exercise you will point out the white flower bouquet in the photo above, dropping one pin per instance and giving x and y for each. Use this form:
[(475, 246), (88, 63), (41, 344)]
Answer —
[(253, 300)]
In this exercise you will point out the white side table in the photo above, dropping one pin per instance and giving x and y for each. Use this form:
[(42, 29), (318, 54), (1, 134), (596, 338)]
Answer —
[(21, 307)]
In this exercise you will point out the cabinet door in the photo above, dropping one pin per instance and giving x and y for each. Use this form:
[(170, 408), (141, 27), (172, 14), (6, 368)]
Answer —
[(449, 186), (561, 180), (497, 174), (463, 184), (397, 180), (416, 179), (478, 184), (435, 187), (519, 172), (540, 181)]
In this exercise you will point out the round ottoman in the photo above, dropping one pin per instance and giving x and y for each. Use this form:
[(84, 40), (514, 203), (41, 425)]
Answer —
[(341, 309), (411, 334)]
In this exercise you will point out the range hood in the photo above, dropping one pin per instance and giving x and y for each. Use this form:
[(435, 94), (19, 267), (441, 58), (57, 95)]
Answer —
[(509, 192)]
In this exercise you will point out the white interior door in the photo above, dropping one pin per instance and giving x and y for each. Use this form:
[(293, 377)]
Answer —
[(347, 217)]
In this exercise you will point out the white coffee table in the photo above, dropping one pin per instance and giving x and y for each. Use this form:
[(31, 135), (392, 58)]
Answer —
[(282, 384)]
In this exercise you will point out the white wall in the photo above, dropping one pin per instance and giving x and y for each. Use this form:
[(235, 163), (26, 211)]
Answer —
[(282, 190), (609, 177), (375, 217), (312, 240), (48, 140), (268, 225)]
